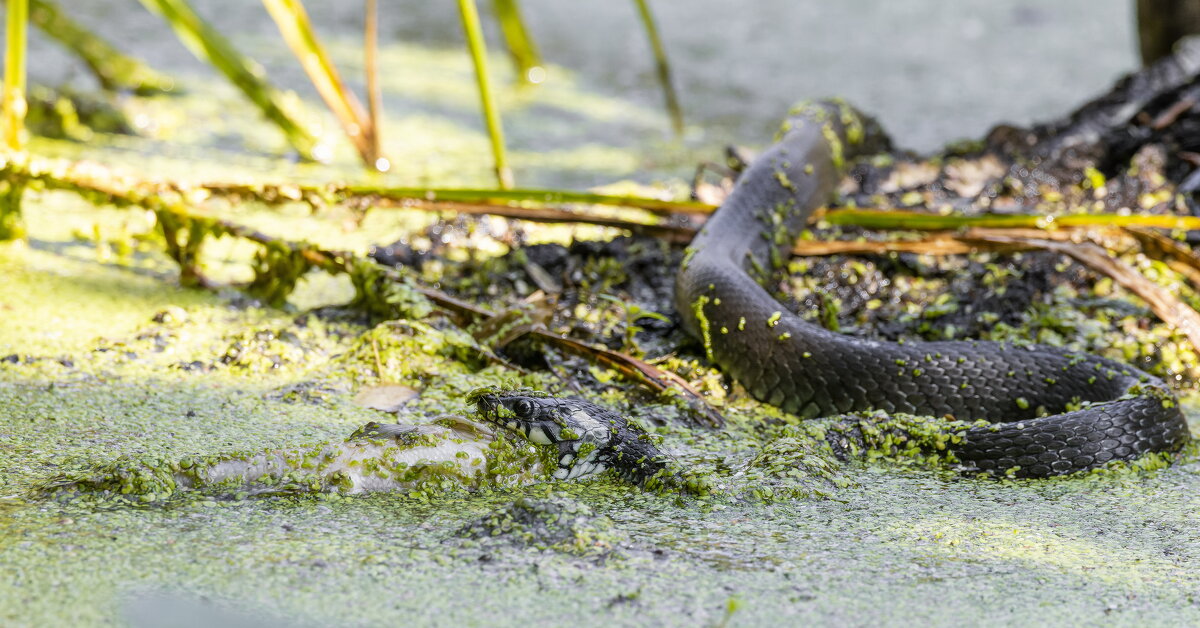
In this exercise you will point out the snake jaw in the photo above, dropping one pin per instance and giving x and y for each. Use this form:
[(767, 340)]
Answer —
[(580, 438), (523, 416)]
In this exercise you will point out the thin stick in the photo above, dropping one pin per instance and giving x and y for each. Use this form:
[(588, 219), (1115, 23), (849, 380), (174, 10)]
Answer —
[(474, 34), (952, 243), (378, 361), (919, 221)]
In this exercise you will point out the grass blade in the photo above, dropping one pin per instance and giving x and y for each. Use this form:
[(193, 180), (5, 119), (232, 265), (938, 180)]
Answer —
[(520, 44), (534, 196), (474, 34), (663, 67), (297, 31), (114, 70), (14, 106), (919, 221), (207, 44), (374, 92), (12, 188)]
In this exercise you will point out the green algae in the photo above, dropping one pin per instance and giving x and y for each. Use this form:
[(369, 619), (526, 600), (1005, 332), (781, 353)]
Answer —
[(332, 559), (12, 225), (557, 523), (830, 561), (702, 321), (798, 536), (277, 270)]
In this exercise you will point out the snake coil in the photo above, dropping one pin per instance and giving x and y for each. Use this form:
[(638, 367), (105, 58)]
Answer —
[(807, 370)]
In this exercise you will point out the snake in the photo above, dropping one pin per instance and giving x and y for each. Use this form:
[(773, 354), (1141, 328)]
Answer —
[(1048, 411), (1032, 410), (586, 439)]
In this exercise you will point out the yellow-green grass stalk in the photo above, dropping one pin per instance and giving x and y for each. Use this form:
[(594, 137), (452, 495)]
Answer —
[(527, 196), (13, 111), (917, 221), (474, 34), (374, 91), (113, 69), (297, 31), (662, 66), (14, 108), (208, 45), (521, 47)]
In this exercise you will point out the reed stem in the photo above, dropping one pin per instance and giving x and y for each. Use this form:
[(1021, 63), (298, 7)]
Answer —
[(474, 34)]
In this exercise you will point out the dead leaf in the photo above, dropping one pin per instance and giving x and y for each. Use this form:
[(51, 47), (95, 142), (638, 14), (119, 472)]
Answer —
[(385, 397), (907, 175), (968, 177)]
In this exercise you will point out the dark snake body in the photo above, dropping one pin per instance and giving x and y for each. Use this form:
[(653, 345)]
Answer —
[(807, 370)]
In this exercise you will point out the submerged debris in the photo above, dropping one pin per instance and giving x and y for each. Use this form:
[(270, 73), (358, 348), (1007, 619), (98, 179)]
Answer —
[(551, 523)]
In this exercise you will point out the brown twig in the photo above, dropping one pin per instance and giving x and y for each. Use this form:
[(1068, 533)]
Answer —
[(970, 241), (1186, 101), (650, 375)]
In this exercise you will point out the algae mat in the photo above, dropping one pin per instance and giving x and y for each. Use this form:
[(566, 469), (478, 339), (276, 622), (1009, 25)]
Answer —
[(105, 359), (101, 356)]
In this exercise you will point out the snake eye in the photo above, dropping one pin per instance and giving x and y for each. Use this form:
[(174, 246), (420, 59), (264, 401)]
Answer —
[(523, 408)]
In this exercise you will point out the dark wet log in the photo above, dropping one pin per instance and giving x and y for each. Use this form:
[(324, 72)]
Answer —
[(1161, 23), (1107, 130)]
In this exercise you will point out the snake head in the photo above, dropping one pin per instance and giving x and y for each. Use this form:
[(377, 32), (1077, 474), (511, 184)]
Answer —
[(582, 432)]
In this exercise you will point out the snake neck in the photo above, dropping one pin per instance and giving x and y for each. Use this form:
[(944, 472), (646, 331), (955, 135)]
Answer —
[(755, 228)]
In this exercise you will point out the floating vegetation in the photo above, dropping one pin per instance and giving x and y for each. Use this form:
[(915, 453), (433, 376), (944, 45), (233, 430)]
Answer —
[(196, 438)]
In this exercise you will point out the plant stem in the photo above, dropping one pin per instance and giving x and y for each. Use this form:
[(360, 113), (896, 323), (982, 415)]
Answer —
[(207, 44), (12, 189), (663, 67), (14, 107), (113, 69), (474, 34), (534, 196), (520, 44), (374, 93), (897, 219), (297, 31)]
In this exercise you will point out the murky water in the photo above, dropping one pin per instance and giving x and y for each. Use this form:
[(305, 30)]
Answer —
[(933, 71)]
